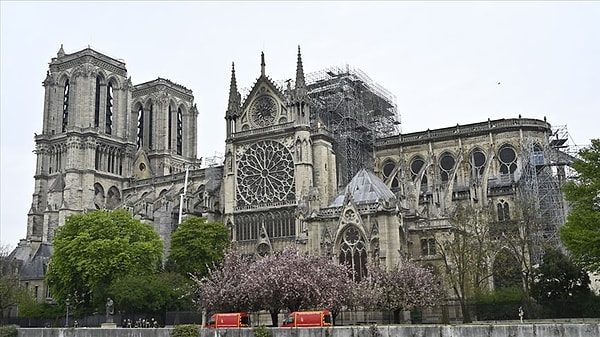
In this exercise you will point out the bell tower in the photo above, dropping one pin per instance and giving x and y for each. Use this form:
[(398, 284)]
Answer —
[(85, 150)]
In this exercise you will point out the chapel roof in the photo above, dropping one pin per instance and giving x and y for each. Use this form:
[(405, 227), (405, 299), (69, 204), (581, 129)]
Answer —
[(365, 188)]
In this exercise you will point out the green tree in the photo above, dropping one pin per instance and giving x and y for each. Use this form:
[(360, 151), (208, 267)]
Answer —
[(581, 233), (560, 285), (154, 293), (465, 252), (10, 289), (196, 245), (93, 249)]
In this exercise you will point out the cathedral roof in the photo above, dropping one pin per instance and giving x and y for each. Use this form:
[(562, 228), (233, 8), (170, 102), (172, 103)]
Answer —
[(34, 258), (365, 188)]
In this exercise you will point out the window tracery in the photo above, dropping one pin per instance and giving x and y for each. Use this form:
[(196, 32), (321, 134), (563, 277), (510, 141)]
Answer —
[(109, 108), (65, 115), (508, 159), (447, 163), (353, 252), (415, 168), (478, 160), (265, 174), (387, 170)]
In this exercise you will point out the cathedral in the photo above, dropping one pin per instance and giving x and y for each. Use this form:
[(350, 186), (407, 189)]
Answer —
[(317, 161)]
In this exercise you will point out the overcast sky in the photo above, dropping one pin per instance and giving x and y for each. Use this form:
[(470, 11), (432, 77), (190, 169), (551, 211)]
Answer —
[(442, 60)]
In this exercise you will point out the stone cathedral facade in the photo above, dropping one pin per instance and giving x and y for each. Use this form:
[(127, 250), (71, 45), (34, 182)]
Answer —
[(107, 143)]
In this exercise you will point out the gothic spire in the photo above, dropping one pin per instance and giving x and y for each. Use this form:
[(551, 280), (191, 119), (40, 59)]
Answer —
[(234, 96), (61, 51), (300, 82), (262, 63)]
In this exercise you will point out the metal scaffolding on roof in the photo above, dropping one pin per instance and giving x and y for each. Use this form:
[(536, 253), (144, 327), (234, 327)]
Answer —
[(356, 110)]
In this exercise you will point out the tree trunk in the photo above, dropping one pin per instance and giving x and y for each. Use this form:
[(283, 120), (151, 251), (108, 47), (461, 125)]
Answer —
[(274, 317), (397, 316), (464, 308)]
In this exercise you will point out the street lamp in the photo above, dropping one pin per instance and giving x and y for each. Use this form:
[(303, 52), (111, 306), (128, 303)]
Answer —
[(67, 316)]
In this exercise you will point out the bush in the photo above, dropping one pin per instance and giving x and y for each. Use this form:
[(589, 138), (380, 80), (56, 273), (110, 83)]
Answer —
[(185, 330), (261, 331), (8, 331), (502, 304)]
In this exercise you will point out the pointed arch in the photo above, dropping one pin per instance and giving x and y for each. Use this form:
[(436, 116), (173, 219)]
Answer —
[(418, 170), (507, 158), (353, 252), (100, 83), (110, 100), (477, 161), (113, 198), (447, 165), (99, 196), (66, 99), (179, 130)]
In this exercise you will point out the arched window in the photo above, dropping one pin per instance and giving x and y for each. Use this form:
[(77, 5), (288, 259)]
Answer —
[(538, 156), (150, 113), (65, 116), (447, 163), (109, 107), (179, 131), (387, 170), (170, 128), (508, 160), (97, 103), (415, 168), (353, 253), (140, 128), (428, 247), (477, 162), (113, 198), (99, 197), (503, 211)]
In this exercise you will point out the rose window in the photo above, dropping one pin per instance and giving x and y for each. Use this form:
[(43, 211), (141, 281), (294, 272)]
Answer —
[(265, 174)]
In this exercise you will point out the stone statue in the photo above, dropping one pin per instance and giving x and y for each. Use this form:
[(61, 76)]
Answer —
[(110, 309)]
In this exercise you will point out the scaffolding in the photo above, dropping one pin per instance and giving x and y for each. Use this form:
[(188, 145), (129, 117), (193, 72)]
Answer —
[(546, 166), (356, 110)]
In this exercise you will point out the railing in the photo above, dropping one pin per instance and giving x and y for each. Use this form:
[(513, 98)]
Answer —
[(465, 130)]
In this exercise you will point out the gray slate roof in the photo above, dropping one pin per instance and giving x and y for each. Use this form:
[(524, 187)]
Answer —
[(33, 258), (365, 188)]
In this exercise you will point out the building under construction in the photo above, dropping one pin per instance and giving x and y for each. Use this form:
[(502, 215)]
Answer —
[(356, 110), (546, 166)]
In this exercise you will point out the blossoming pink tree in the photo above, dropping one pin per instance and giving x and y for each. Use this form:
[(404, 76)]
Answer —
[(224, 289), (406, 286), (289, 280)]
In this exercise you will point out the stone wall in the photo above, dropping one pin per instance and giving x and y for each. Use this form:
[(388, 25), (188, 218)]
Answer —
[(471, 330)]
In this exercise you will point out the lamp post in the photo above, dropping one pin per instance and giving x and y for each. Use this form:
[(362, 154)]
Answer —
[(68, 302)]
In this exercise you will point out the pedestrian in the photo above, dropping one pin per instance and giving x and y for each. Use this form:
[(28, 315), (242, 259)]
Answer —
[(521, 314)]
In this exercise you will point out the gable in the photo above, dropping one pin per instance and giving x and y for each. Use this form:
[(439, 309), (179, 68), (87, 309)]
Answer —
[(264, 106)]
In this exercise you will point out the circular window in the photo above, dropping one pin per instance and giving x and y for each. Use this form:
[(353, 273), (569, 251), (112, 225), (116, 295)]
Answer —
[(265, 174), (507, 155), (447, 162), (508, 160), (416, 166), (478, 161), (351, 236), (263, 111), (388, 168), (142, 167), (447, 165)]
